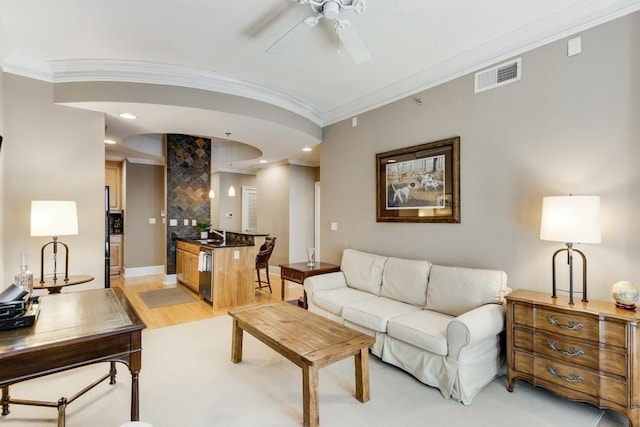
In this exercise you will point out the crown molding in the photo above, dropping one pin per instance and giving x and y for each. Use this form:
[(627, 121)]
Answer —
[(540, 33)]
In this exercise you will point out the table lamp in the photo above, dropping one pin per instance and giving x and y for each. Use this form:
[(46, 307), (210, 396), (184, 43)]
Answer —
[(571, 219), (54, 218)]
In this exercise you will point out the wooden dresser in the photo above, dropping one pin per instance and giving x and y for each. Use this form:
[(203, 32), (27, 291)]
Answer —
[(587, 352)]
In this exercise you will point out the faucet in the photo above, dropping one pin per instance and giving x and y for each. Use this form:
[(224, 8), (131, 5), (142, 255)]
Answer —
[(223, 235)]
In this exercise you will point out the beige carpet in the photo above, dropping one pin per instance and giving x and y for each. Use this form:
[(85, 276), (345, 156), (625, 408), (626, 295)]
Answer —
[(188, 380), (165, 297)]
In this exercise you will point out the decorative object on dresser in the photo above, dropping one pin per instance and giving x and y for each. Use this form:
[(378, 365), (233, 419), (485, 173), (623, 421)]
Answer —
[(571, 219), (586, 352), (626, 294), (54, 218)]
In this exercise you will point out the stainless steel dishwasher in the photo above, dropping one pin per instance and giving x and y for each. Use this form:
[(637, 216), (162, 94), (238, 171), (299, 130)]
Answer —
[(205, 273)]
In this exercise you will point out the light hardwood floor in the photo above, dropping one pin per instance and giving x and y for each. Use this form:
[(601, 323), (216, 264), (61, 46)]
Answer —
[(188, 312)]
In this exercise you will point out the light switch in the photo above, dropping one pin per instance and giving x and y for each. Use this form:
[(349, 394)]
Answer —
[(194, 222), (185, 222), (236, 254), (152, 220), (173, 222), (334, 226)]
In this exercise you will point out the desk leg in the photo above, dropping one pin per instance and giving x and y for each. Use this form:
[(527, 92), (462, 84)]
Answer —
[(5, 400), (236, 342), (282, 288), (362, 375), (135, 396), (112, 373), (62, 407), (310, 402)]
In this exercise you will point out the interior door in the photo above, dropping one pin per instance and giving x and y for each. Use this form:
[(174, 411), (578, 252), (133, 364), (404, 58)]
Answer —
[(249, 209)]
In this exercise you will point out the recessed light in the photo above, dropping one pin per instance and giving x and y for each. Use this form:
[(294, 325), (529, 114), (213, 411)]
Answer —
[(109, 141), (128, 116), (307, 149), (262, 161)]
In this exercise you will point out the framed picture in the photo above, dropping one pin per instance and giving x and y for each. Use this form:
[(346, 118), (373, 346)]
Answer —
[(420, 183)]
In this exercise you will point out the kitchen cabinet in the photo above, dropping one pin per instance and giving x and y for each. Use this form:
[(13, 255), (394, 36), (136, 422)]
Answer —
[(116, 260), (187, 264), (233, 272), (113, 180)]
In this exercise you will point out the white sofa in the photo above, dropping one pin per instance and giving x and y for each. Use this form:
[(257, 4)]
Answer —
[(441, 324)]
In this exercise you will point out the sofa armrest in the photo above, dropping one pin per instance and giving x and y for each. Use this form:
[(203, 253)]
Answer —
[(323, 282), (474, 326)]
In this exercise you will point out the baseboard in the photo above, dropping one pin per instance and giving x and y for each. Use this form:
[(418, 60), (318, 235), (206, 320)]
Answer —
[(143, 271)]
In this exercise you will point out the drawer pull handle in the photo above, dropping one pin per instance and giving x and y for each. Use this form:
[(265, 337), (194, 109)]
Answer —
[(573, 325), (571, 379), (572, 352)]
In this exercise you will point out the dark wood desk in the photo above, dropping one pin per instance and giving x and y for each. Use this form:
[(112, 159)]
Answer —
[(73, 329), (55, 286), (299, 271)]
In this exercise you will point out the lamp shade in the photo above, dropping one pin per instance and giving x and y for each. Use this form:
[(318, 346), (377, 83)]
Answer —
[(53, 218), (571, 219)]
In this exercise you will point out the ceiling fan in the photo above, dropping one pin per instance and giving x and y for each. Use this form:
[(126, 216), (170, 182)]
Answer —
[(331, 10)]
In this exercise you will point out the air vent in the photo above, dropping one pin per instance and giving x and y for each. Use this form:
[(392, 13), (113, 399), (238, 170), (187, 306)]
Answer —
[(499, 75)]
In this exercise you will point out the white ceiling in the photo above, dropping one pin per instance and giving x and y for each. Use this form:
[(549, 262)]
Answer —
[(220, 45)]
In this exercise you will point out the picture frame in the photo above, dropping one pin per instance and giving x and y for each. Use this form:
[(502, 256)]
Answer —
[(419, 183)]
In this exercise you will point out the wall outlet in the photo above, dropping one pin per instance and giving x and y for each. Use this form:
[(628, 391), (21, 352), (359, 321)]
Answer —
[(236, 254)]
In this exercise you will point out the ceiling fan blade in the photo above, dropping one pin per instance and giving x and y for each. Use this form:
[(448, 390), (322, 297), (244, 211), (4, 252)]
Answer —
[(282, 43), (350, 39)]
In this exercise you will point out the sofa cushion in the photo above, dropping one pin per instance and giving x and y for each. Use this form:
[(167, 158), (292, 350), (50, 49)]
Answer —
[(362, 270), (374, 313), (333, 300), (456, 290), (405, 280), (424, 329)]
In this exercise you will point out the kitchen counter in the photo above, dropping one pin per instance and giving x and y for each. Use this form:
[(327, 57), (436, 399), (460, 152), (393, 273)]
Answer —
[(214, 243)]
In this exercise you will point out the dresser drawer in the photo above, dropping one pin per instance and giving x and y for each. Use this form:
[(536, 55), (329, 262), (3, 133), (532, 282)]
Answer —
[(294, 276), (576, 325), (572, 378), (189, 247), (570, 351)]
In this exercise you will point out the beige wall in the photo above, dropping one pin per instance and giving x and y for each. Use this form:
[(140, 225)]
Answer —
[(51, 152), (273, 209), (301, 211), (223, 204), (570, 125), (144, 244), (2, 168), (286, 210)]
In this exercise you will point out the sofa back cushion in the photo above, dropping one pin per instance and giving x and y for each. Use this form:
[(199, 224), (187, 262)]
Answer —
[(362, 270), (406, 281), (456, 290)]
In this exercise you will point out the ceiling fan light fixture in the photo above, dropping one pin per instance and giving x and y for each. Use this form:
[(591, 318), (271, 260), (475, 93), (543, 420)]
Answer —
[(331, 10)]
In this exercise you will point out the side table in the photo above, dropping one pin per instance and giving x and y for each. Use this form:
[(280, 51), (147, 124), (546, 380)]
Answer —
[(299, 271), (55, 286)]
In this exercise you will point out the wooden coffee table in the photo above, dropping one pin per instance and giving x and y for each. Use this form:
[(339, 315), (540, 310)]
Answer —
[(308, 340)]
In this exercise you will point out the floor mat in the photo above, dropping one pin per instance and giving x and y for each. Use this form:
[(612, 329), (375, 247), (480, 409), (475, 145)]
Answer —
[(165, 297)]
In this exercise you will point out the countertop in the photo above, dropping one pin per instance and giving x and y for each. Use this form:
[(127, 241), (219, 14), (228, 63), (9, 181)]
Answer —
[(211, 243)]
